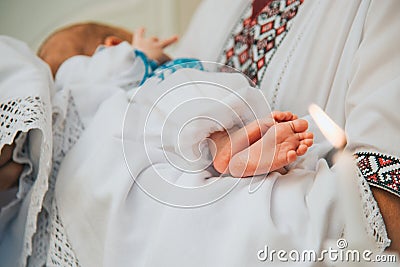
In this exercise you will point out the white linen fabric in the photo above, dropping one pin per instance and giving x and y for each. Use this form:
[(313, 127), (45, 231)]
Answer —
[(117, 217), (326, 57), (26, 87), (336, 55), (99, 76), (146, 199)]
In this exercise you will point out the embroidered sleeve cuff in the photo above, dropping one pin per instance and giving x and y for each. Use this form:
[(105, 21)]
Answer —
[(380, 170)]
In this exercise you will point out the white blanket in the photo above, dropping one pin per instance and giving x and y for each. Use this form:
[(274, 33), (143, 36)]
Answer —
[(326, 58), (142, 197)]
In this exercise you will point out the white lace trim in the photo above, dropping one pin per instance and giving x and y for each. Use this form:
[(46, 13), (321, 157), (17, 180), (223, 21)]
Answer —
[(40, 240), (375, 227), (60, 250), (21, 155), (22, 115), (51, 246)]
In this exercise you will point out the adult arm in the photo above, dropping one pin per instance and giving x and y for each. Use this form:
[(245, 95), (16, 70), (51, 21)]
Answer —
[(9, 170), (372, 111), (389, 205)]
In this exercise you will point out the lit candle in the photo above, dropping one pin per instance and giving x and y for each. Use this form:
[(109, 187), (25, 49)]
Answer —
[(328, 127), (349, 200)]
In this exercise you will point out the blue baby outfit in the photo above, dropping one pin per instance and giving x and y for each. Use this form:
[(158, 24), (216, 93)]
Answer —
[(152, 69)]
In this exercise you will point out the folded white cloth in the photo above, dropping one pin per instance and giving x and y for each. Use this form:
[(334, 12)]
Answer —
[(127, 222), (26, 88), (139, 193)]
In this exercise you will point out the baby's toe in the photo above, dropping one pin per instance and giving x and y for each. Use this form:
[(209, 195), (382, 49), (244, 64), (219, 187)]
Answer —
[(291, 156), (307, 142), (306, 135), (282, 116), (302, 149), (299, 125)]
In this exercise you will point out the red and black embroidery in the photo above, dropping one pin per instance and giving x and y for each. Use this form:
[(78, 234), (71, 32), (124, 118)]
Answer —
[(380, 170), (253, 42)]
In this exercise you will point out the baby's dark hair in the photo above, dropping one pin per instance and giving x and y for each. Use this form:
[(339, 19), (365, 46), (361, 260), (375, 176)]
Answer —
[(77, 39)]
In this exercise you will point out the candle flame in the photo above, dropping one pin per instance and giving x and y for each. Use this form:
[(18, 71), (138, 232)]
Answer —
[(328, 127)]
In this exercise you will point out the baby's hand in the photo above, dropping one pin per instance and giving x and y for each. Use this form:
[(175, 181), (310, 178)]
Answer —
[(152, 46)]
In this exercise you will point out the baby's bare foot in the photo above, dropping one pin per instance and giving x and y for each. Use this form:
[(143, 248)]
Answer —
[(220, 148), (223, 145), (280, 146)]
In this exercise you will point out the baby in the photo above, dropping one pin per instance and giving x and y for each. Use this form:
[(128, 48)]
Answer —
[(245, 152), (87, 38)]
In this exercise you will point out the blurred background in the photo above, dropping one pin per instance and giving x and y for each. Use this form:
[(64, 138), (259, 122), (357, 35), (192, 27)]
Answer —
[(32, 20)]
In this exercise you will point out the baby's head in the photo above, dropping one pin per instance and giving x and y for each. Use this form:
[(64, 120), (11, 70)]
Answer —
[(79, 39)]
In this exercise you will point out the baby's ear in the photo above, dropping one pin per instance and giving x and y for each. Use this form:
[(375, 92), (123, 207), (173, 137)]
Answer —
[(112, 40)]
